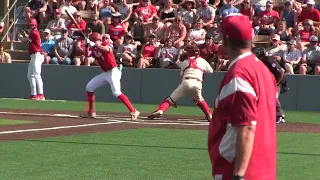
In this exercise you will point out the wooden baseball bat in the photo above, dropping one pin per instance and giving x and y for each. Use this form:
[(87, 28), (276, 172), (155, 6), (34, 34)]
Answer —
[(75, 22)]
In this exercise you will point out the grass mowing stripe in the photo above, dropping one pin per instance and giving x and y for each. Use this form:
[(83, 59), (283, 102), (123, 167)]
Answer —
[(14, 122)]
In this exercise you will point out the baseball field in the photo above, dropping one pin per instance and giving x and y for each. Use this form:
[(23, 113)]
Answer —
[(45, 140)]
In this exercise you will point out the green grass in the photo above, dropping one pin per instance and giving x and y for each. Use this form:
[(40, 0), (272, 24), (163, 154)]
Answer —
[(144, 154), (14, 122), (292, 116)]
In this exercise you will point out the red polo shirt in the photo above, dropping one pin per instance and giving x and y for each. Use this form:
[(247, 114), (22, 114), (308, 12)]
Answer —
[(314, 15), (247, 96)]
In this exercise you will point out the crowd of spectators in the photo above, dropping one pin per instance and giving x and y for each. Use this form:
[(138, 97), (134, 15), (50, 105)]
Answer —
[(153, 34)]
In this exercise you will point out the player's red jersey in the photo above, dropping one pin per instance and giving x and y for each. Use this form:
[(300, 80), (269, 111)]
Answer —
[(116, 32), (247, 96), (106, 61), (35, 42)]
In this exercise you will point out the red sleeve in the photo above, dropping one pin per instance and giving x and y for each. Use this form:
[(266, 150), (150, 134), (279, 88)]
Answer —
[(242, 100), (276, 15), (302, 16), (154, 10), (137, 10), (69, 26), (83, 25), (317, 15)]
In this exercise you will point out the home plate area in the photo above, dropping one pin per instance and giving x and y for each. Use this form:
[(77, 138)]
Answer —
[(45, 123)]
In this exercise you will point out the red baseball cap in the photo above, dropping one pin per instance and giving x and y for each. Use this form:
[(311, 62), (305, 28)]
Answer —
[(236, 26)]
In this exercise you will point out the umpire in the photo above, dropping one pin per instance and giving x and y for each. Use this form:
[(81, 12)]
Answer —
[(278, 73)]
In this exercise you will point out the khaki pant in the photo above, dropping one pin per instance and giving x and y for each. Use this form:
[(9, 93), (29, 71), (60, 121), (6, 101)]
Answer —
[(188, 86)]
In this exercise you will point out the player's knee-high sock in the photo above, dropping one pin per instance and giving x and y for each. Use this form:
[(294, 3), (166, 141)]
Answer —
[(91, 102), (124, 99), (204, 107), (164, 105)]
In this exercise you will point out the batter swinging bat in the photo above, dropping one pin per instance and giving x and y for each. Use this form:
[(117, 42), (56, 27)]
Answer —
[(75, 22)]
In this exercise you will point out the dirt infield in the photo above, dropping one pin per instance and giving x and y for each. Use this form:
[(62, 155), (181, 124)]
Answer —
[(61, 123)]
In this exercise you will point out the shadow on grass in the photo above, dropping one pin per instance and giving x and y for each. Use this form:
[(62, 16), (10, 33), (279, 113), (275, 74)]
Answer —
[(121, 145)]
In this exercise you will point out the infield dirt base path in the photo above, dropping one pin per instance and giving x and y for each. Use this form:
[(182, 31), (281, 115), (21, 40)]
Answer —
[(61, 123)]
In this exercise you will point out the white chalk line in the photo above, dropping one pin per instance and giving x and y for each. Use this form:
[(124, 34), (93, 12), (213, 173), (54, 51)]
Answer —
[(111, 121), (19, 99), (59, 127)]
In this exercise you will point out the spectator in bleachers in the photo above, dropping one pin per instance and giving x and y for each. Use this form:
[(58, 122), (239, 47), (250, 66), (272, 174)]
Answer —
[(177, 32), (310, 12), (188, 13), (155, 27), (96, 25), (289, 14), (1, 29), (275, 51), (117, 30), (208, 50), (56, 24), (267, 20), (79, 48), (63, 49), (305, 34), (258, 6), (47, 45), (146, 10), (126, 12), (137, 31), (282, 30), (148, 52), (106, 10), (197, 34), (168, 13), (247, 9), (69, 7), (51, 7), (80, 22), (92, 5), (36, 9), (4, 56), (228, 8), (222, 61), (79, 4), (206, 13), (310, 62), (291, 58), (166, 54), (127, 51)]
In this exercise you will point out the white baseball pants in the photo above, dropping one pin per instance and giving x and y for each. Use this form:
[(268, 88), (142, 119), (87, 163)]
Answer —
[(34, 73), (113, 77)]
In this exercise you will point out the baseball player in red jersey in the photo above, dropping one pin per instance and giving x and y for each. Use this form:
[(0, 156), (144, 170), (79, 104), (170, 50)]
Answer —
[(192, 70), (37, 58), (242, 132), (103, 54)]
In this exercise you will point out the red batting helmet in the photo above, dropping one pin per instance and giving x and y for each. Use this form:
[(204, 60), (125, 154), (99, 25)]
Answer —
[(95, 37), (32, 22)]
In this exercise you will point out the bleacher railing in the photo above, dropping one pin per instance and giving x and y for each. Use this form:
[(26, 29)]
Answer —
[(13, 24)]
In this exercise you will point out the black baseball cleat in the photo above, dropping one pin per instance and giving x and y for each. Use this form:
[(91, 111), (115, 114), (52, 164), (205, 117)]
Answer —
[(280, 120), (156, 114)]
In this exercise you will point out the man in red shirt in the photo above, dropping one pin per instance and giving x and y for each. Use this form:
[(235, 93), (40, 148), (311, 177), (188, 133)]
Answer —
[(146, 10), (81, 23), (102, 52), (37, 58), (310, 12), (242, 133), (267, 20)]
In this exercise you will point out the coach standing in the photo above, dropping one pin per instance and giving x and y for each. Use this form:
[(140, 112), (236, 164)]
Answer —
[(242, 133)]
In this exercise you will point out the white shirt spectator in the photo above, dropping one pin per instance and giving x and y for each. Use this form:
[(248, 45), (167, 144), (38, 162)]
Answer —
[(189, 17), (206, 13), (70, 9), (127, 47)]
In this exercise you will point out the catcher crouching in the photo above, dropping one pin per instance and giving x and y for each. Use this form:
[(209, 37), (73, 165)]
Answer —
[(192, 72)]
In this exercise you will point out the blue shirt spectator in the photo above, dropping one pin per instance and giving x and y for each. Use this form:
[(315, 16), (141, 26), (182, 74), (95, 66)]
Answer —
[(227, 9), (47, 45)]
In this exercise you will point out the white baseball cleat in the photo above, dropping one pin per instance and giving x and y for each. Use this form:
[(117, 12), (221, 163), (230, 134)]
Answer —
[(156, 114), (134, 115), (88, 115)]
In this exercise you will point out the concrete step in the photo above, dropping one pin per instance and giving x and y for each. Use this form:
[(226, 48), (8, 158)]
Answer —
[(19, 54), (17, 45), (19, 61)]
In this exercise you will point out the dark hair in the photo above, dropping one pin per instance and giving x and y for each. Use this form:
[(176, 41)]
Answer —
[(259, 51)]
